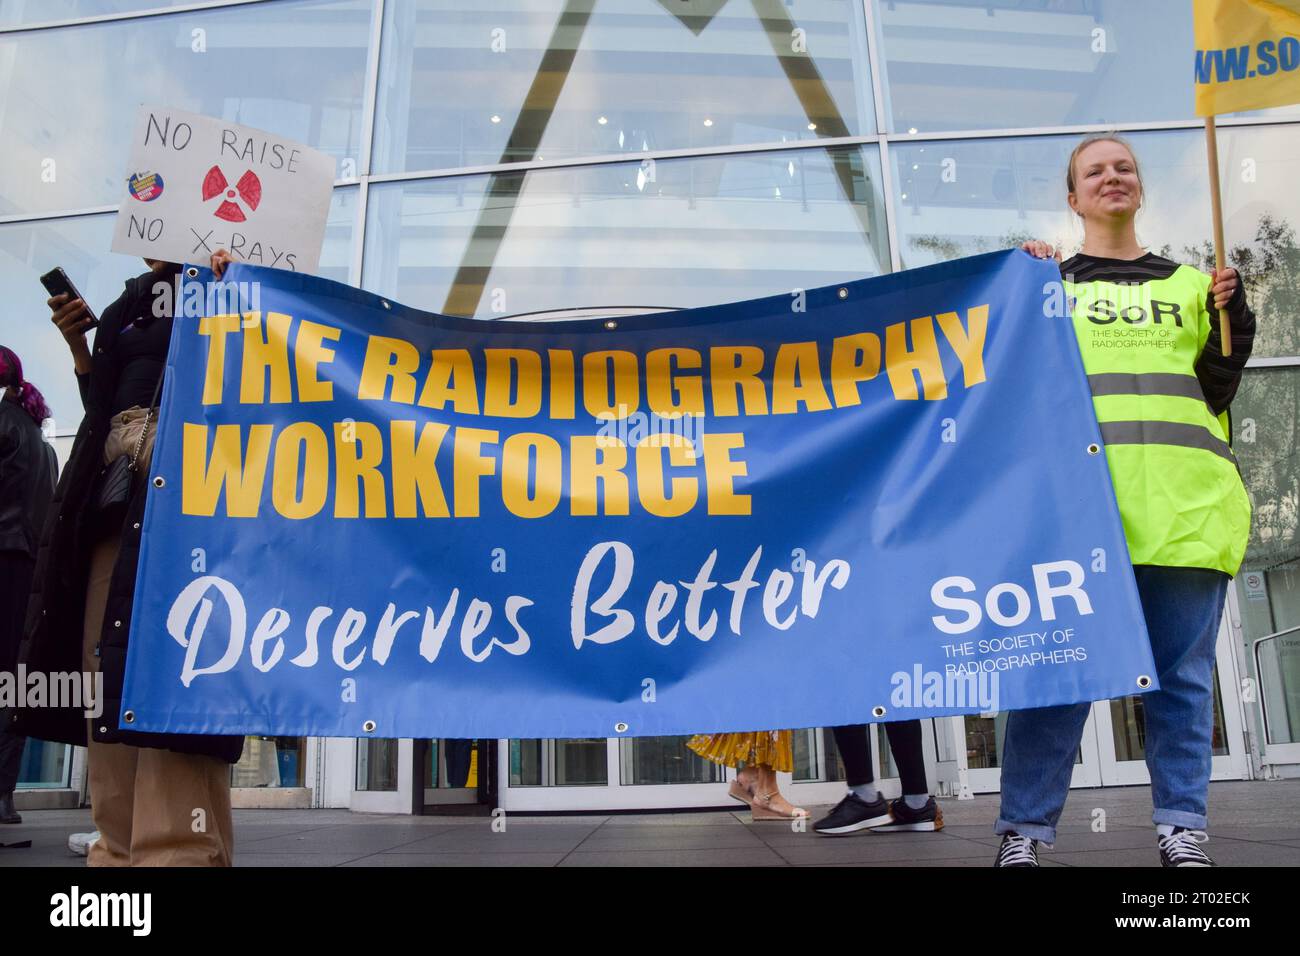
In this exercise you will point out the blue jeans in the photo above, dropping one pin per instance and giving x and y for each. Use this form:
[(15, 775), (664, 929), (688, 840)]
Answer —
[(1182, 607)]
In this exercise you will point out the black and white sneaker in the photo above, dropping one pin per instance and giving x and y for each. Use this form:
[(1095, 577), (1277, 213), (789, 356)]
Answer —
[(903, 819), (1017, 850), (1181, 848), (853, 814)]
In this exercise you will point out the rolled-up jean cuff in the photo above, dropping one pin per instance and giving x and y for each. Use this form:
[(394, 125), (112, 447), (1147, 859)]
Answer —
[(1032, 830), (1180, 818)]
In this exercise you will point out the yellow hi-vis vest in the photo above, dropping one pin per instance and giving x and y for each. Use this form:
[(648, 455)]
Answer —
[(1141, 328)]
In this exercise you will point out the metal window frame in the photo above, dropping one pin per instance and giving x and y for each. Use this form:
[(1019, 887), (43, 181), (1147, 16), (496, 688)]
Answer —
[(197, 7)]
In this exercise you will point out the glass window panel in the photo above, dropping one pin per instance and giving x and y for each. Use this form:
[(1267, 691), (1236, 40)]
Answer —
[(691, 232), (270, 762), (984, 740), (376, 764), (559, 763), (962, 197), (985, 737), (296, 68), (581, 763), (816, 758), (465, 84), (1008, 64), (803, 748), (527, 762), (1266, 425), (664, 760), (80, 245), (27, 251), (44, 765), (19, 12), (887, 767), (1129, 728), (1261, 210)]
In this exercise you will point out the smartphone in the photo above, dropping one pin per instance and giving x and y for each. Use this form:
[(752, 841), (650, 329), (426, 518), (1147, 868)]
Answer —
[(56, 282)]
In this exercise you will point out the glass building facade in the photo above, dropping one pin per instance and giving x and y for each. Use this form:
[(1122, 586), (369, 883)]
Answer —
[(525, 157)]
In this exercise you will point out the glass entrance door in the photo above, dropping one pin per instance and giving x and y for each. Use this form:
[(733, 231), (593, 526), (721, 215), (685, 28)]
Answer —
[(985, 736), (451, 771), (1121, 727), (1267, 603)]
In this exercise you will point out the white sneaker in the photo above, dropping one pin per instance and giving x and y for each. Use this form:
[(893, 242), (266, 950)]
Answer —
[(79, 843)]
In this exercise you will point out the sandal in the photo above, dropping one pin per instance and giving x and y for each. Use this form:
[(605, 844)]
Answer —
[(744, 792), (763, 809)]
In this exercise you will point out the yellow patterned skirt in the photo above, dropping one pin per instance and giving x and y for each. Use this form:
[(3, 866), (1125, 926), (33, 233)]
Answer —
[(771, 747)]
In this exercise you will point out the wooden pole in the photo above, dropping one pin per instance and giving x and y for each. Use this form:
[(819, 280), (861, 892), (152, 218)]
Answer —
[(1216, 204)]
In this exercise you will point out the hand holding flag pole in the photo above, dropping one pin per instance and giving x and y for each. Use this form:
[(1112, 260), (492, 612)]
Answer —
[(1216, 207), (1246, 56)]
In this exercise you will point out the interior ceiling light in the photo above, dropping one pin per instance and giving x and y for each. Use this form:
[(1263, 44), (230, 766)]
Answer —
[(601, 120), (708, 122), (495, 118)]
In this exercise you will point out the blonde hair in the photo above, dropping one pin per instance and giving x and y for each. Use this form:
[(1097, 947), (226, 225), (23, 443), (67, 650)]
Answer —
[(1101, 138)]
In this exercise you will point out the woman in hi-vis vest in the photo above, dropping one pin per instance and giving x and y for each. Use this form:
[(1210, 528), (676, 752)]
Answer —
[(1161, 388)]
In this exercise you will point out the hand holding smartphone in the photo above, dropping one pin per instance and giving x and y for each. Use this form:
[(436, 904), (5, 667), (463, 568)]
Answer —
[(57, 283)]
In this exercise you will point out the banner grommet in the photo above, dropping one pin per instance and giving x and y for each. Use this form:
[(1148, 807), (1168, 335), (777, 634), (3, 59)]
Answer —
[(368, 726), (877, 711), (129, 717), (1094, 449), (1143, 681), (192, 272), (620, 727), (843, 293), (159, 481), (611, 324)]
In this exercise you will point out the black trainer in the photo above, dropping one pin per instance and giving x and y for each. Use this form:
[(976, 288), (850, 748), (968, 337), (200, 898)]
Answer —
[(1180, 848), (853, 814), (903, 819), (1017, 850)]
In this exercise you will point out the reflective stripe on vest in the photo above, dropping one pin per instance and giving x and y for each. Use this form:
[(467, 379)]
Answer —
[(1164, 433), (1146, 383), (1153, 432)]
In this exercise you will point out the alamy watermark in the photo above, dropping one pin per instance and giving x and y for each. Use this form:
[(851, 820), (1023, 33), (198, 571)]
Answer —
[(955, 689), (23, 689), (631, 429), (191, 298)]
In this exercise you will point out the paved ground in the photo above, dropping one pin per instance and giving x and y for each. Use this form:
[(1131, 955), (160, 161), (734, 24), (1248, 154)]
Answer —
[(1255, 823)]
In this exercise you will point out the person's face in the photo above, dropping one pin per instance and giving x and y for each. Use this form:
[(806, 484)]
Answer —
[(1106, 184)]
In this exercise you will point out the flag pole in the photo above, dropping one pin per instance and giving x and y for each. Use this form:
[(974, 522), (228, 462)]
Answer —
[(1216, 205)]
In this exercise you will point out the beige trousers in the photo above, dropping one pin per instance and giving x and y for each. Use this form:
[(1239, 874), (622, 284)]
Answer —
[(151, 807)]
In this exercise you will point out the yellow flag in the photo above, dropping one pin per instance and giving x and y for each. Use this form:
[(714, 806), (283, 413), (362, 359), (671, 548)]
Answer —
[(1247, 55)]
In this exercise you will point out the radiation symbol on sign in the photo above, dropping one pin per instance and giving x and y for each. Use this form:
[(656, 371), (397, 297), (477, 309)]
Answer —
[(248, 190)]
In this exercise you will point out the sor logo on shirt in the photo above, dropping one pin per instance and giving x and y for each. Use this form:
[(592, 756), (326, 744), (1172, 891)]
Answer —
[(1105, 312)]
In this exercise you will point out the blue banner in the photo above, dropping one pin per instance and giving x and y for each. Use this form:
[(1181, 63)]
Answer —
[(880, 500)]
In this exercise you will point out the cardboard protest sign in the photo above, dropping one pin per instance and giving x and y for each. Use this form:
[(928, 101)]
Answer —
[(198, 184)]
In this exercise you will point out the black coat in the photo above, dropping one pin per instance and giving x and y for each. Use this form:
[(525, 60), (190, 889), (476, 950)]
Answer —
[(55, 615)]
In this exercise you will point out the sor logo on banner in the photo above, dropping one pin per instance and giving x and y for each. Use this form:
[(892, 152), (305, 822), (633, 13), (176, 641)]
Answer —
[(146, 186), (248, 189)]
